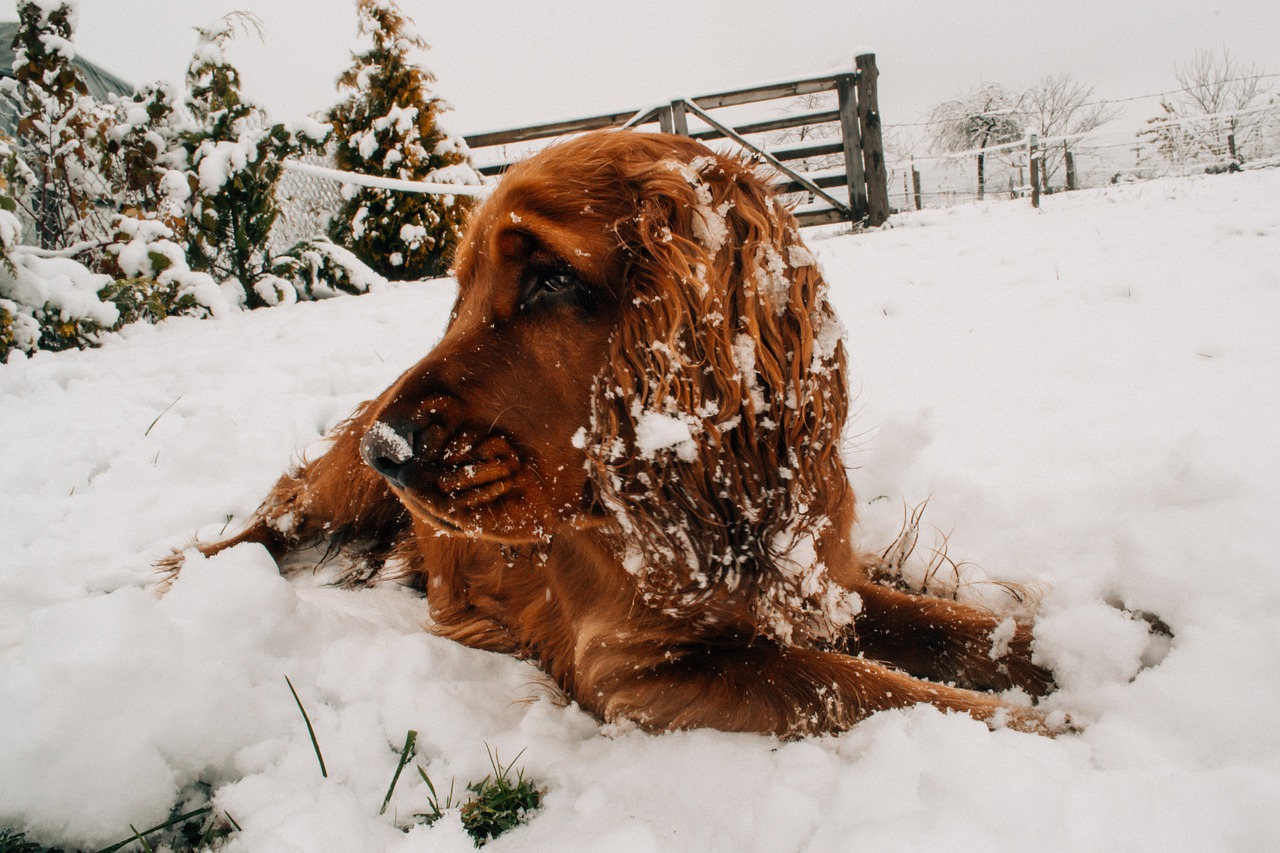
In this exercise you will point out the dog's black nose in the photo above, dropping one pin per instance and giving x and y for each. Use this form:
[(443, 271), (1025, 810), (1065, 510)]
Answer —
[(387, 448)]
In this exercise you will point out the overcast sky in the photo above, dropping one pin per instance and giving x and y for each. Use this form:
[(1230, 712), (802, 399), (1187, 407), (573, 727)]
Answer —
[(503, 64)]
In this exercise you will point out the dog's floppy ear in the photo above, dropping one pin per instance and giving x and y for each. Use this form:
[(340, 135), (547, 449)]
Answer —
[(716, 429)]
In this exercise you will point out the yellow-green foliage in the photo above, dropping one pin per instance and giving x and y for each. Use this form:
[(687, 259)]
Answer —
[(147, 299), (6, 333), (387, 126)]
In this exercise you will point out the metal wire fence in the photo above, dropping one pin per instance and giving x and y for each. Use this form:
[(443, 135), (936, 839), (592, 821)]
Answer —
[(306, 202), (1119, 152)]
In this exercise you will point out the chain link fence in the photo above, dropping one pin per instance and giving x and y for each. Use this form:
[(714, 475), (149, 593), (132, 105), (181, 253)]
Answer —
[(306, 204)]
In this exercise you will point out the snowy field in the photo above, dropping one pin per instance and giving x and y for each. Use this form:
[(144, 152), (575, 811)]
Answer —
[(1088, 395)]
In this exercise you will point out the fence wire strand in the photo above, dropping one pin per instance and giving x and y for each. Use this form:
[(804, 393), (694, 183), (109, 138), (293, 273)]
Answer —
[(1163, 147)]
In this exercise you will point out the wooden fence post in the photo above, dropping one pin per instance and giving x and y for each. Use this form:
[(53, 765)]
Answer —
[(877, 176), (1033, 152), (915, 184), (679, 118), (854, 177), (1070, 160)]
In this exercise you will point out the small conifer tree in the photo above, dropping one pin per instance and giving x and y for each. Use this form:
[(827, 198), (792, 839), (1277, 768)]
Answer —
[(236, 159), (388, 126), (53, 172)]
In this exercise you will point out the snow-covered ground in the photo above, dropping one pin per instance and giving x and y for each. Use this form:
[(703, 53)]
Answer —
[(1087, 395)]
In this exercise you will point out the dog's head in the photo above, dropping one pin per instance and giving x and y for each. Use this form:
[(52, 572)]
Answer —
[(641, 343)]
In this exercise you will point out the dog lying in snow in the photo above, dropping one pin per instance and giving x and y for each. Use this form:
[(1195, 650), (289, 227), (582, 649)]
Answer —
[(622, 462)]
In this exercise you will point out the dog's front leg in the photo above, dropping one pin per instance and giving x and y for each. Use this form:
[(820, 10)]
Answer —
[(335, 498)]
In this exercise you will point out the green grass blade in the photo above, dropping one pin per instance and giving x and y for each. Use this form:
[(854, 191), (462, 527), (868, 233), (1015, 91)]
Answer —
[(137, 836), (409, 740), (427, 779), (142, 842), (310, 731)]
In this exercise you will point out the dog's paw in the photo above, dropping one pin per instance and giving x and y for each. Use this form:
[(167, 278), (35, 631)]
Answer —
[(1034, 721)]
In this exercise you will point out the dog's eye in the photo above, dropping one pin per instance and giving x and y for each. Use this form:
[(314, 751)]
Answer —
[(548, 286)]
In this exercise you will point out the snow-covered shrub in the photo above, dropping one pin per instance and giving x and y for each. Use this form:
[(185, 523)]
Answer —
[(236, 159), (388, 126), (10, 225), (58, 303), (45, 303), (58, 300), (143, 158), (155, 281), (234, 203), (163, 203), (319, 269), (54, 174), (18, 329)]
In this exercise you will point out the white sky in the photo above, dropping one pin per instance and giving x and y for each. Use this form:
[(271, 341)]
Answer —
[(503, 64)]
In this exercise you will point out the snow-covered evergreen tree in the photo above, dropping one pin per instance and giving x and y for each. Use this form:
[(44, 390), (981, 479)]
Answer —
[(236, 159), (53, 172), (388, 126)]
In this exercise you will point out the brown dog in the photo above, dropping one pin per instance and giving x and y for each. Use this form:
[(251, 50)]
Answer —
[(623, 462)]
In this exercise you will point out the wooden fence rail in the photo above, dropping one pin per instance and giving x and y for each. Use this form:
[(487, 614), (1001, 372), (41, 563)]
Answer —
[(859, 143)]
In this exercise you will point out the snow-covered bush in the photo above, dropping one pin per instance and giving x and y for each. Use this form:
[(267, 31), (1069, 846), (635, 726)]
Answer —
[(163, 203), (56, 303), (18, 328), (54, 173), (143, 157), (75, 165), (52, 303), (388, 126), (236, 159), (234, 204), (319, 269), (156, 281), (45, 303)]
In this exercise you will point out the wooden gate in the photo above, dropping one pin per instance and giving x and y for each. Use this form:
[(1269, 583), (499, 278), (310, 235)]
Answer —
[(855, 191)]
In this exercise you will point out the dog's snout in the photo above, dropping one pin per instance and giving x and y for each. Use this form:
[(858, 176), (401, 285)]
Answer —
[(387, 449)]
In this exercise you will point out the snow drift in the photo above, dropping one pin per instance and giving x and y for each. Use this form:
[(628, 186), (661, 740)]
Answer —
[(1085, 394)]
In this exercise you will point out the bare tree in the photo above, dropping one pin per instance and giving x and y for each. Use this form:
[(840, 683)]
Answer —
[(988, 115), (1057, 106), (1224, 91)]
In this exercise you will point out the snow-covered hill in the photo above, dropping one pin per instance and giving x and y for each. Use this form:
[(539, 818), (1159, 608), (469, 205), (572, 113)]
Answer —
[(1086, 395)]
